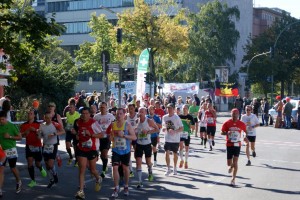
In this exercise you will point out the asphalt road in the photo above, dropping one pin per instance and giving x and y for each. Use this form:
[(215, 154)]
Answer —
[(274, 174)]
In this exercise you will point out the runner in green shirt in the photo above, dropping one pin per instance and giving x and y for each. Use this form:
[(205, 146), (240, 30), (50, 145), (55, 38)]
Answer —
[(9, 133), (185, 136), (193, 110)]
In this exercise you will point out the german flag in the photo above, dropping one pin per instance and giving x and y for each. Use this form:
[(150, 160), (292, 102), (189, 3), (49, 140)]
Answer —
[(226, 89)]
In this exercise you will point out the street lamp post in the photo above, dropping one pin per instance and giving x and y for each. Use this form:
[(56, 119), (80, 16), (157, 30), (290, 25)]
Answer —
[(273, 53)]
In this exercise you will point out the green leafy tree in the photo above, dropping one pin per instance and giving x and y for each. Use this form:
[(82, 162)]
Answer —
[(23, 32), (286, 62), (52, 78), (155, 28), (213, 38)]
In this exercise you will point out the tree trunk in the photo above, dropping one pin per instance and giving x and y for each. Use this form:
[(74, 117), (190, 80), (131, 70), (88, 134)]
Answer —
[(282, 89)]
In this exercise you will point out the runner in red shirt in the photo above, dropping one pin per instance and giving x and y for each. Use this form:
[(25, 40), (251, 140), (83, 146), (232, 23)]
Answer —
[(211, 119), (233, 128)]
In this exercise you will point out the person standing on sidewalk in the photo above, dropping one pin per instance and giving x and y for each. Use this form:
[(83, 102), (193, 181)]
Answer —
[(50, 131), (252, 123), (287, 111), (238, 103), (33, 149), (233, 128), (172, 127), (9, 133)]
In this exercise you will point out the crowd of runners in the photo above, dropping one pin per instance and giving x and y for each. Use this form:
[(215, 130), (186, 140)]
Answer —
[(130, 132)]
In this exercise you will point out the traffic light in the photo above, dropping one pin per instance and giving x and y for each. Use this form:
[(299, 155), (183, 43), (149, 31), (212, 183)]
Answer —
[(127, 74), (149, 78), (119, 35)]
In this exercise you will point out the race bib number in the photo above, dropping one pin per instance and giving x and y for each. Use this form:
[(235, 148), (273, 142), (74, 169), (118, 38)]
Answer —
[(104, 128), (120, 143), (210, 120), (88, 144), (142, 136), (184, 135), (11, 153), (68, 127), (234, 136), (48, 148), (250, 130), (34, 149)]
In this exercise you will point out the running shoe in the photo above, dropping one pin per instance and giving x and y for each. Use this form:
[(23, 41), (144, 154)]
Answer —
[(76, 164), (19, 187), (55, 178), (210, 149), (175, 171), (181, 164), (155, 164), (213, 143), (168, 172), (32, 183), (115, 193), (150, 177), (139, 185), (102, 174), (131, 174), (51, 183), (232, 183), (248, 163), (254, 154), (98, 186), (201, 142), (80, 195), (43, 172), (70, 161), (186, 165), (126, 191)]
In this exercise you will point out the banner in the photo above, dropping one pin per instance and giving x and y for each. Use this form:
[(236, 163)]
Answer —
[(181, 87), (130, 87), (143, 66), (226, 89)]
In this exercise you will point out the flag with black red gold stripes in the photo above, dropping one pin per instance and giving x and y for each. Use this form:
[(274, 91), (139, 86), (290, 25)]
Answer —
[(226, 89)]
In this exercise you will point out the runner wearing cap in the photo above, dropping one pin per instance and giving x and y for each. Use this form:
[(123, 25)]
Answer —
[(233, 128)]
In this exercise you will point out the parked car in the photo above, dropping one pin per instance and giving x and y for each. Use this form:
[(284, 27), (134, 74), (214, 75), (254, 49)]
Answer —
[(273, 113)]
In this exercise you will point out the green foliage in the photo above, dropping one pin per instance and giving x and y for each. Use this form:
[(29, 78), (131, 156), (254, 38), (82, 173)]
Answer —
[(23, 33), (286, 63), (213, 38), (88, 57), (52, 78)]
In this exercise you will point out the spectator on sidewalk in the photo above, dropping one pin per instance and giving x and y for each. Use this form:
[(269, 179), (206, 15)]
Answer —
[(238, 103)]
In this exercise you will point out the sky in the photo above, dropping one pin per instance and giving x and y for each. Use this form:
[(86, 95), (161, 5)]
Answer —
[(291, 6)]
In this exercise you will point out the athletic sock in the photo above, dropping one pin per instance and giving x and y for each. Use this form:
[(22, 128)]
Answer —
[(181, 154), (155, 155), (139, 173), (186, 156), (31, 172), (70, 153), (130, 165)]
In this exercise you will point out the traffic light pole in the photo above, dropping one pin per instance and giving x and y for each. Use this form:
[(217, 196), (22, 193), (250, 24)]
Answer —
[(120, 87)]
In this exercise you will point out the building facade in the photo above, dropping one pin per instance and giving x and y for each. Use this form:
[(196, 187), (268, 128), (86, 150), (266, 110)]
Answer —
[(263, 18)]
